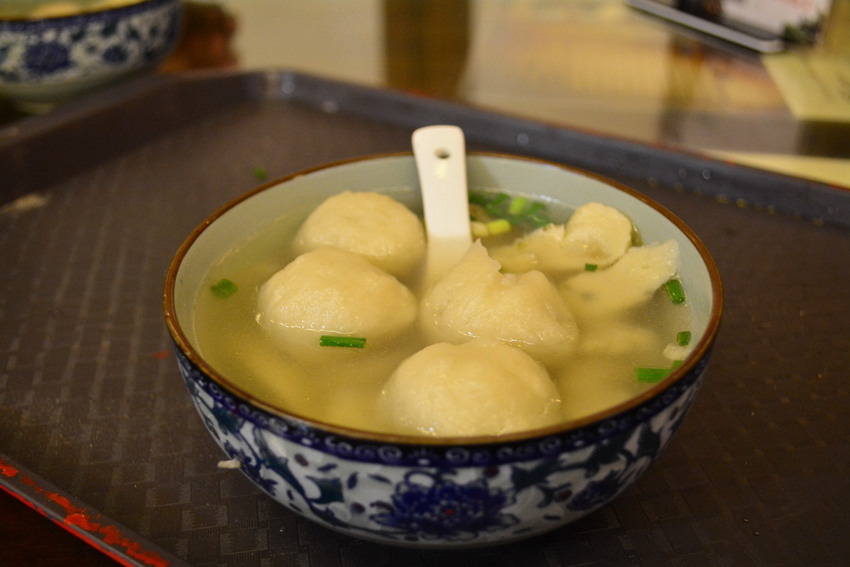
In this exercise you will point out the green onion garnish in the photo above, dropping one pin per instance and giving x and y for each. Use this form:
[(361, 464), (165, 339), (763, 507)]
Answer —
[(654, 374), (535, 207), (260, 173), (224, 288), (637, 239), (337, 341), (647, 374), (683, 338), (517, 205), (675, 291), (538, 221), (534, 215), (590, 267), (498, 226), (494, 207), (518, 210)]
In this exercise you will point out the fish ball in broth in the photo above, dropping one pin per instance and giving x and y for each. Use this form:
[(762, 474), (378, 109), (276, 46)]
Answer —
[(330, 291), (483, 387), (371, 224)]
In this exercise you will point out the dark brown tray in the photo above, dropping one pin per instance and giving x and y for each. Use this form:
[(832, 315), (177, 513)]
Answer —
[(97, 430)]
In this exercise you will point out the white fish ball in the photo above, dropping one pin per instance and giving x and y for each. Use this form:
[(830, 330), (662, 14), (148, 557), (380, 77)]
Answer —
[(482, 387), (336, 292), (372, 224)]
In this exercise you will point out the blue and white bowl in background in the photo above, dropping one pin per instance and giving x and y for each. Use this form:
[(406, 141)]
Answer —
[(426, 492), (51, 59)]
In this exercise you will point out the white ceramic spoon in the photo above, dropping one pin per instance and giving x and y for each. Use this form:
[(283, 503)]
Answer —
[(440, 155)]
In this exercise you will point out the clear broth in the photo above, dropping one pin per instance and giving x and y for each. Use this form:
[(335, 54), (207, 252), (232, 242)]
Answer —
[(343, 386)]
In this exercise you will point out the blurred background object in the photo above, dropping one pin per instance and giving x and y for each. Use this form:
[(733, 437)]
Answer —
[(426, 44), (206, 41), (52, 52)]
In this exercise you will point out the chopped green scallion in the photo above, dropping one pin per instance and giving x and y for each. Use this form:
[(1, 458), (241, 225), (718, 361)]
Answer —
[(655, 374), (591, 267), (534, 215), (675, 291), (260, 173), (478, 198), (637, 239), (648, 374), (337, 341), (517, 205), (498, 226), (538, 221), (683, 338), (519, 211), (224, 288), (535, 207), (494, 207)]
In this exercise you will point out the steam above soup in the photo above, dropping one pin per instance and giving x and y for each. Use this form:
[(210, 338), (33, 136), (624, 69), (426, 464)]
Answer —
[(542, 321)]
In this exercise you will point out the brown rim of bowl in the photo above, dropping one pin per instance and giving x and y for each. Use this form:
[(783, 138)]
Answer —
[(699, 351)]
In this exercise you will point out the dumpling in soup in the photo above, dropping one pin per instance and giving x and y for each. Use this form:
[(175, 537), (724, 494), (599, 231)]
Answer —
[(330, 291), (482, 387), (474, 300), (613, 337), (368, 223), (595, 234), (625, 285)]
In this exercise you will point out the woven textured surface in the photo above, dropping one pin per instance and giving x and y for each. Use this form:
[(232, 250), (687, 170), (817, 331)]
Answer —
[(91, 399)]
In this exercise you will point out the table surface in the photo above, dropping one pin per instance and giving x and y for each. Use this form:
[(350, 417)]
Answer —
[(598, 66)]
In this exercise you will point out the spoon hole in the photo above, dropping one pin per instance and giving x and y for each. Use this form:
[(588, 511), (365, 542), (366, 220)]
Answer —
[(442, 153)]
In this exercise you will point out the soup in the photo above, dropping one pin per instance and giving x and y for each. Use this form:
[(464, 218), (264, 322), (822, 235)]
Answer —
[(515, 337)]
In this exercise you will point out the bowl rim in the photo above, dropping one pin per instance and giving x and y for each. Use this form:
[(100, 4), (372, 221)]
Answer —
[(699, 352)]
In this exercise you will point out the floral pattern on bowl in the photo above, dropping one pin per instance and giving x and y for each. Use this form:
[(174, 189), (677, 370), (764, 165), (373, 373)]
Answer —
[(433, 496), (52, 59)]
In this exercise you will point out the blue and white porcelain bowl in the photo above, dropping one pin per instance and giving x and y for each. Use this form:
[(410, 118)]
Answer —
[(424, 492), (68, 52)]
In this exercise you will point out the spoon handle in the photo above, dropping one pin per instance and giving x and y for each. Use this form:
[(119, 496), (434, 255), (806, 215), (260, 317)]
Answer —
[(440, 154)]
